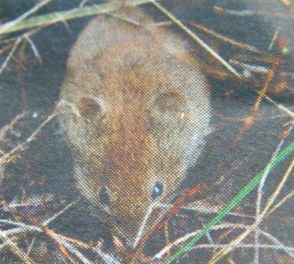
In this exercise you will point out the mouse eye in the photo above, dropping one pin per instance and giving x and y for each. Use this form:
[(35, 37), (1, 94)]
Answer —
[(157, 190), (90, 107), (174, 102), (104, 196)]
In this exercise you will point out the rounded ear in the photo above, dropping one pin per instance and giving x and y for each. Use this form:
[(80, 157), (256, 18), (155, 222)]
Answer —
[(91, 107), (171, 102)]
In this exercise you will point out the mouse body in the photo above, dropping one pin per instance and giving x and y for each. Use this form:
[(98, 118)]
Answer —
[(135, 111)]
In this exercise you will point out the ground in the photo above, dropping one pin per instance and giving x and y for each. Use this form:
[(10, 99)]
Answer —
[(36, 176)]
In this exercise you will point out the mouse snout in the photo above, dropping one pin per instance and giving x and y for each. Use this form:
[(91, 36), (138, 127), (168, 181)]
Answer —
[(134, 220)]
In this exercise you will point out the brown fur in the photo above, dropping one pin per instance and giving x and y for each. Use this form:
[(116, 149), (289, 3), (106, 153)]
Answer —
[(135, 112)]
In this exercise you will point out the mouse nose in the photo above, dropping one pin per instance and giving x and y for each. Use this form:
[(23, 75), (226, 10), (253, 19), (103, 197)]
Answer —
[(132, 229), (127, 231)]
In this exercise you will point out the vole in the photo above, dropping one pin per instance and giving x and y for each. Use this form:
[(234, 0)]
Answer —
[(135, 112)]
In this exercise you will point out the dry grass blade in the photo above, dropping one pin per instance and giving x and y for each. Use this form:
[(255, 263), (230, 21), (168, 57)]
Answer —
[(249, 120), (259, 219), (242, 246), (8, 26), (236, 200), (34, 48), (281, 107), (53, 18), (48, 221), (10, 55), (246, 13), (14, 47), (15, 249), (288, 3), (175, 208), (8, 156), (224, 226), (75, 251), (285, 199), (143, 225), (3, 132), (228, 40), (67, 246), (259, 216), (198, 40), (7, 127), (64, 251), (107, 258), (260, 194)]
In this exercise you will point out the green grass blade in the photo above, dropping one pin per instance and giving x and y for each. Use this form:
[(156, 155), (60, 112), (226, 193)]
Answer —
[(234, 202)]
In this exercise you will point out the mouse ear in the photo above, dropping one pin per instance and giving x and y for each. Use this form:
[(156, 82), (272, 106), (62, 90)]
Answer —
[(171, 102), (90, 107)]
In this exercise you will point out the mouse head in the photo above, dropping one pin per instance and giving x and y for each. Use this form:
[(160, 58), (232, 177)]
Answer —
[(135, 117)]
